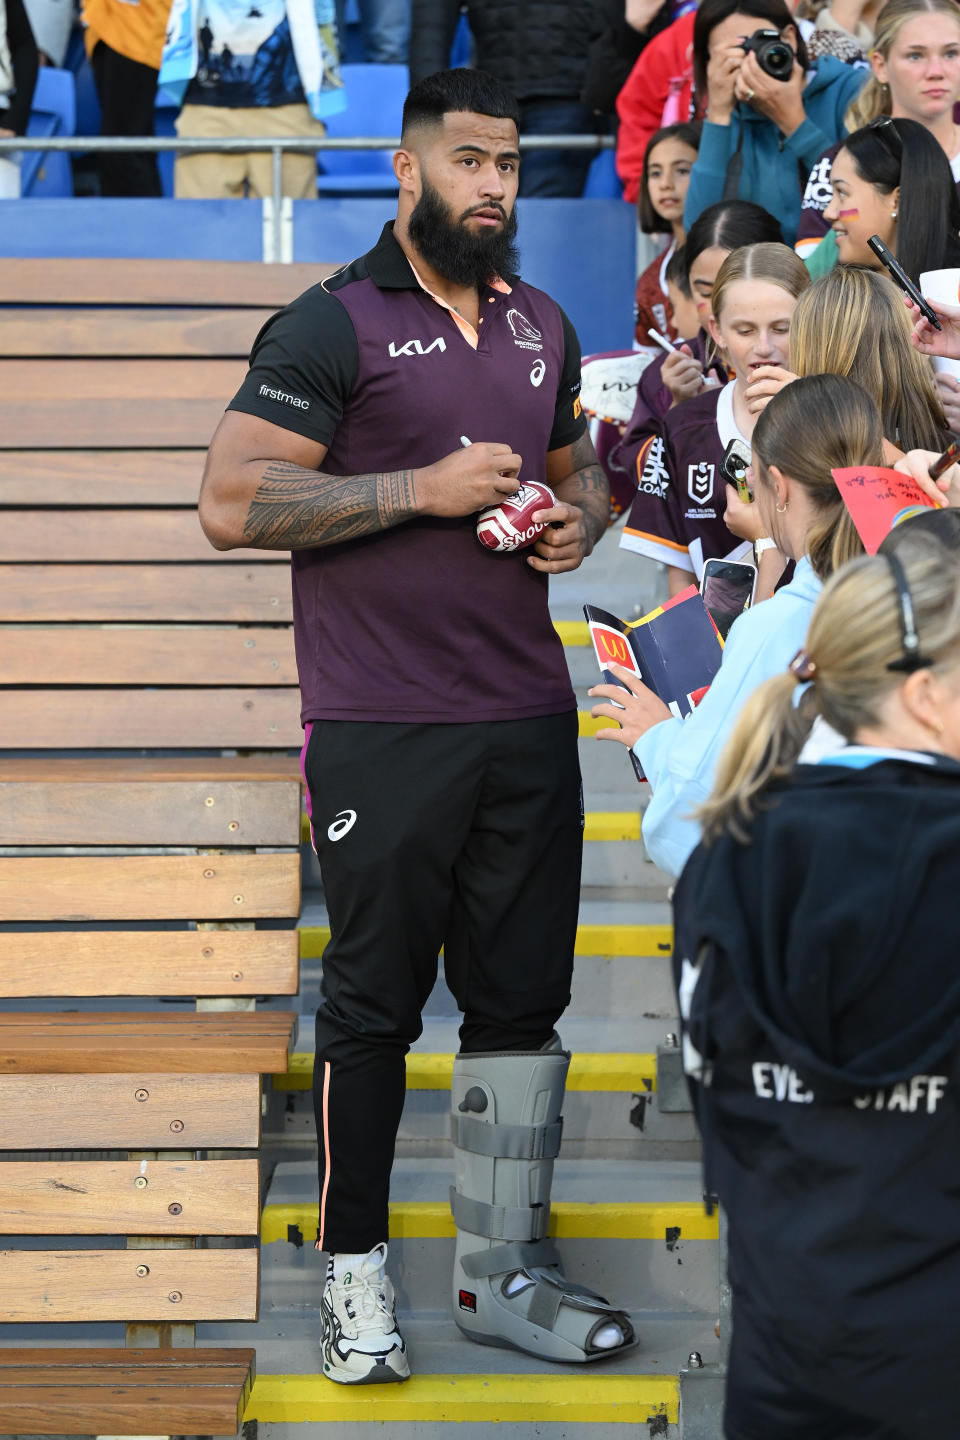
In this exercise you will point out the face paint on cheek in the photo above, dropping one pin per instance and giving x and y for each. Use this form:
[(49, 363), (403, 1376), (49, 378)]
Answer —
[(848, 214)]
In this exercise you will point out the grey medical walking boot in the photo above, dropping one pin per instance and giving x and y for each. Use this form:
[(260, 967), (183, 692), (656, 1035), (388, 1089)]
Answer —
[(508, 1288)]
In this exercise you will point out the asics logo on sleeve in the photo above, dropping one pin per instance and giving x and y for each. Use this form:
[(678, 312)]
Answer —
[(342, 825)]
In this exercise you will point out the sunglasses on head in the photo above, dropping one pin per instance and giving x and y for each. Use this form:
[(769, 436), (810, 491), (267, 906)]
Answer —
[(885, 131)]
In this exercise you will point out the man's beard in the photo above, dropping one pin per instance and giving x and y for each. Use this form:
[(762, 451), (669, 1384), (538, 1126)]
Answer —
[(455, 252)]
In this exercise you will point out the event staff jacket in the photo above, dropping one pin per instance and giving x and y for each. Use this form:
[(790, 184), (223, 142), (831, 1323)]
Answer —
[(820, 992), (420, 623)]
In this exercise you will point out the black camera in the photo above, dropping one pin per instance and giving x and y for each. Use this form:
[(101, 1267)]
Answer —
[(773, 54)]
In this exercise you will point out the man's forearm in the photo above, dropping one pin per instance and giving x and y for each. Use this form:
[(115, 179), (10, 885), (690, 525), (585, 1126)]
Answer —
[(293, 508), (588, 489)]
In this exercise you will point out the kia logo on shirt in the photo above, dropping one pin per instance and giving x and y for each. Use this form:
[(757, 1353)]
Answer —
[(414, 347)]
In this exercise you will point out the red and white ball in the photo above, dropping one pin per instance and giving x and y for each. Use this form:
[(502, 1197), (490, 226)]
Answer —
[(509, 525)]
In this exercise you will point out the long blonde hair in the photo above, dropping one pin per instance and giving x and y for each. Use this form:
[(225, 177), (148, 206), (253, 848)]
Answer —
[(874, 98), (855, 633), (853, 322), (813, 426)]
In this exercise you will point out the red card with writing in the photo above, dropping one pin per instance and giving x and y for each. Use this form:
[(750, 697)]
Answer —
[(878, 499)]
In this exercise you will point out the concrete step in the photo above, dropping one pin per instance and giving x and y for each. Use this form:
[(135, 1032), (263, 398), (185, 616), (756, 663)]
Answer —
[(635, 1230)]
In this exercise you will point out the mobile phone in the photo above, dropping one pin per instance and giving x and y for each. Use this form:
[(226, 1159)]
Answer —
[(737, 459), (901, 277), (727, 588)]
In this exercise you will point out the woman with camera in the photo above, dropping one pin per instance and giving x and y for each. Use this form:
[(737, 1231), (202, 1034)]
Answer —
[(816, 966), (770, 113)]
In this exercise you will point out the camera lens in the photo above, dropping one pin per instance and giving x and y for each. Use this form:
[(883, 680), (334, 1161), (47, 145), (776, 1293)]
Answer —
[(776, 59)]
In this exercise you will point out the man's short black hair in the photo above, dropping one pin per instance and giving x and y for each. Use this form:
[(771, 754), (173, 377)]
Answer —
[(450, 91)]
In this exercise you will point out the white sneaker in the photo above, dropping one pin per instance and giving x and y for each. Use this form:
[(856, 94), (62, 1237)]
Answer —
[(361, 1343)]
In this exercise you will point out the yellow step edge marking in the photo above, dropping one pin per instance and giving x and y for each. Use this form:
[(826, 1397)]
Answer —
[(628, 940), (572, 632), (613, 1071), (600, 825), (569, 1220), (578, 1398)]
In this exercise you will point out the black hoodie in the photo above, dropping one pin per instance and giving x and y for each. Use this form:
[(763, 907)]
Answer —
[(819, 978)]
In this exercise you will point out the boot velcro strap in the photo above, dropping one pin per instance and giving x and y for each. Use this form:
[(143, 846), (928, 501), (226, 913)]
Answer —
[(506, 1142), (484, 1263), (499, 1222)]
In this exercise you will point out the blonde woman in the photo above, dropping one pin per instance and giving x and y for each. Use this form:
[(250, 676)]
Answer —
[(815, 425), (915, 63), (816, 966), (677, 516), (854, 322)]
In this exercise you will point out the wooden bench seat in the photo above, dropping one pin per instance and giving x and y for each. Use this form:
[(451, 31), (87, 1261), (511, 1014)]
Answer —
[(124, 1392)]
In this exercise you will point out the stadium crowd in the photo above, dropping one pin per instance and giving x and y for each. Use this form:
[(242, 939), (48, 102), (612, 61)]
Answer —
[(806, 806)]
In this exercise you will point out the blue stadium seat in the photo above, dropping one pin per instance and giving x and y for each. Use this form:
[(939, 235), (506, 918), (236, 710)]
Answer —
[(53, 112), (603, 182), (375, 96)]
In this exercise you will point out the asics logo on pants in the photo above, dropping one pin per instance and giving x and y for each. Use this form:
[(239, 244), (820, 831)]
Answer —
[(342, 825)]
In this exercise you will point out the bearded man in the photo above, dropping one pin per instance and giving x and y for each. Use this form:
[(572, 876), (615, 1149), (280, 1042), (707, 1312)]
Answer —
[(382, 411)]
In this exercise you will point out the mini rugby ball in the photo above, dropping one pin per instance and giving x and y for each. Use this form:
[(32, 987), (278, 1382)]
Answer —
[(509, 525)]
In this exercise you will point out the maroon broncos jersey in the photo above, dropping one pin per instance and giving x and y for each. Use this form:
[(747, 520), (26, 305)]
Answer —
[(677, 516)]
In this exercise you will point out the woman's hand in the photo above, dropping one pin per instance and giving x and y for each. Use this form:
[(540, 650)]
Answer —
[(723, 68), (765, 382), (779, 100), (637, 709), (916, 464), (682, 374), (948, 388), (927, 338), (741, 519)]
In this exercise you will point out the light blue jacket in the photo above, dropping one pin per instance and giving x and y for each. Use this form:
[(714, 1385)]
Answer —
[(679, 757), (772, 165)]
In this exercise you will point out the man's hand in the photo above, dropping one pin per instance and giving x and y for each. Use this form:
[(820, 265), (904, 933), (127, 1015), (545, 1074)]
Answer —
[(765, 382), (682, 374), (565, 544), (945, 490), (467, 480), (636, 709), (927, 338), (779, 100)]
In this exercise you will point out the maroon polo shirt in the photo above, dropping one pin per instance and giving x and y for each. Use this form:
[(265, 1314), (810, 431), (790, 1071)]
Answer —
[(419, 623)]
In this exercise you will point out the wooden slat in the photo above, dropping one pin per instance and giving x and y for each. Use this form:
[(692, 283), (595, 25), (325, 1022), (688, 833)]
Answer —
[(138, 655), (149, 382), (143, 769), (124, 1392), (138, 962), (149, 887), (117, 719), (114, 422), (100, 477), (60, 1391), (211, 283), (130, 1197), (65, 812), (251, 593), (33, 332), (82, 1285), (128, 1112), (111, 536), (114, 1043)]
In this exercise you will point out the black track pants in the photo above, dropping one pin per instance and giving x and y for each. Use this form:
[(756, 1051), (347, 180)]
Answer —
[(466, 837)]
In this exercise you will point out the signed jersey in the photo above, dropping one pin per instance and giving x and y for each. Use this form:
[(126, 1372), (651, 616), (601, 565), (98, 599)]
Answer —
[(677, 516)]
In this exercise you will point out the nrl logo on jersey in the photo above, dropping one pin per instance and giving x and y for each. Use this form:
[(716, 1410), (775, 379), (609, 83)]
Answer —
[(700, 482), (527, 336)]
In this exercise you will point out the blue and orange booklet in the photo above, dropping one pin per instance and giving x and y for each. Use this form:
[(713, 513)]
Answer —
[(675, 650)]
